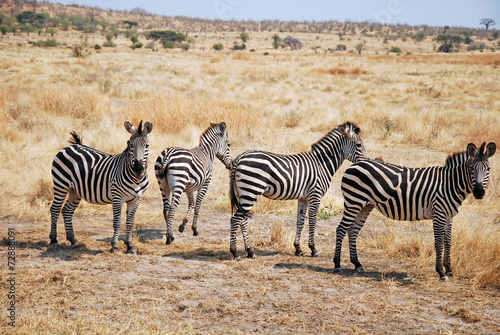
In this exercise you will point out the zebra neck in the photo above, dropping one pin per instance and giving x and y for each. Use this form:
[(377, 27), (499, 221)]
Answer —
[(206, 150), (459, 182), (328, 151)]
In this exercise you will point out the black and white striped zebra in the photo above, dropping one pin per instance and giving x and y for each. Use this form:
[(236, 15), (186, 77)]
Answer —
[(411, 194), (304, 177), (80, 172), (181, 170)]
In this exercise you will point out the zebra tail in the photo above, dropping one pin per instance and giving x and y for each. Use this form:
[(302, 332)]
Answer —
[(75, 139), (160, 165), (235, 203)]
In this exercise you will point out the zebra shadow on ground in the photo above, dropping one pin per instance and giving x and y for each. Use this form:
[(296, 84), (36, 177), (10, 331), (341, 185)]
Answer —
[(62, 251), (400, 277), (205, 254)]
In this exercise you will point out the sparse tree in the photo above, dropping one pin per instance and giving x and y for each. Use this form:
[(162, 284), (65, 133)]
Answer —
[(445, 29), (487, 22)]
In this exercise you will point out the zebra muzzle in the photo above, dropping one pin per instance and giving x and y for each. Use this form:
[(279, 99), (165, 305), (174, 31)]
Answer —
[(138, 168), (478, 192)]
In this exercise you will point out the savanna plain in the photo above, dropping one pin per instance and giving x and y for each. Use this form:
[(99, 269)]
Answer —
[(414, 109)]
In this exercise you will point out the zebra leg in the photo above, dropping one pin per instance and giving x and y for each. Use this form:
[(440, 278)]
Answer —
[(176, 197), (55, 211), (239, 220), (301, 216), (190, 208), (353, 235), (131, 209), (438, 225), (447, 247), (199, 200), (346, 222), (248, 248), (117, 222), (313, 212), (67, 212)]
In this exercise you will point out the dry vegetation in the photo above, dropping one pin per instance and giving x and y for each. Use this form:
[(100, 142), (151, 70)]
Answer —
[(413, 110)]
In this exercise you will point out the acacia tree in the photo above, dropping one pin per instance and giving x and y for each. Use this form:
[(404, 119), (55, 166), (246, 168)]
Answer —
[(449, 41), (487, 22)]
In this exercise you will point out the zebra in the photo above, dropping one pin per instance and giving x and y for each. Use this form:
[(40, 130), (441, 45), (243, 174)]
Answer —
[(411, 194), (181, 170), (304, 177), (81, 172)]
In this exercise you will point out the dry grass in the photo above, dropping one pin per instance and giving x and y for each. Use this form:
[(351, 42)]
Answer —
[(413, 110)]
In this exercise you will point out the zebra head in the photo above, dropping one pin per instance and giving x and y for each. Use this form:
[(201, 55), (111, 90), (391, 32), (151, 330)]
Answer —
[(223, 153), (353, 148), (138, 147), (480, 167)]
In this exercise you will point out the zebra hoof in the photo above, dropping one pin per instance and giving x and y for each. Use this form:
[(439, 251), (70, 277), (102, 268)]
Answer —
[(359, 269), (113, 250), (449, 273), (251, 255), (337, 271), (181, 228), (131, 251), (444, 278), (299, 253), (314, 254), (53, 243), (195, 233), (170, 239), (74, 242), (237, 258)]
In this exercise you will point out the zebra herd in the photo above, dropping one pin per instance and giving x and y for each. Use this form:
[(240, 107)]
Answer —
[(400, 193)]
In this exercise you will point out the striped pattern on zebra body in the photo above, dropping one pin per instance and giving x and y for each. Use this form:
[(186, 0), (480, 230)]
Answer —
[(411, 194), (186, 171), (304, 177), (81, 172)]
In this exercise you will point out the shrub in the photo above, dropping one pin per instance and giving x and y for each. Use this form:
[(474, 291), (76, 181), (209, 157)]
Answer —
[(341, 47), (239, 47), (395, 50), (244, 36), (218, 46), (4, 29), (277, 42), (48, 43), (419, 37), (109, 41), (79, 51)]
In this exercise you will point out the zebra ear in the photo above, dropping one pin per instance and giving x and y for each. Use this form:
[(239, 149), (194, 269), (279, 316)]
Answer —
[(148, 127), (222, 127), (490, 149), (211, 123), (471, 149), (129, 127)]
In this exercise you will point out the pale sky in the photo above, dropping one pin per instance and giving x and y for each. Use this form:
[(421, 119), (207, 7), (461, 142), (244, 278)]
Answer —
[(466, 13)]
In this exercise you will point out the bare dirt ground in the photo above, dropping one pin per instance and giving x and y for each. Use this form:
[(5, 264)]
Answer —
[(194, 286)]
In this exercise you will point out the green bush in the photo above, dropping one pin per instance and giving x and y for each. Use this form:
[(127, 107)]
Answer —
[(48, 43), (341, 47), (395, 50), (218, 46), (244, 36), (4, 29)]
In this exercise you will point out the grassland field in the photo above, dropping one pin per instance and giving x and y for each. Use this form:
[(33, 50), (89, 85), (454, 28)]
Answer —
[(414, 109)]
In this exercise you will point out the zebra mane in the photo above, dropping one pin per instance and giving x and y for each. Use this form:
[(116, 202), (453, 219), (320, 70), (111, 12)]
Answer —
[(221, 126), (75, 139), (456, 159), (340, 128)]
